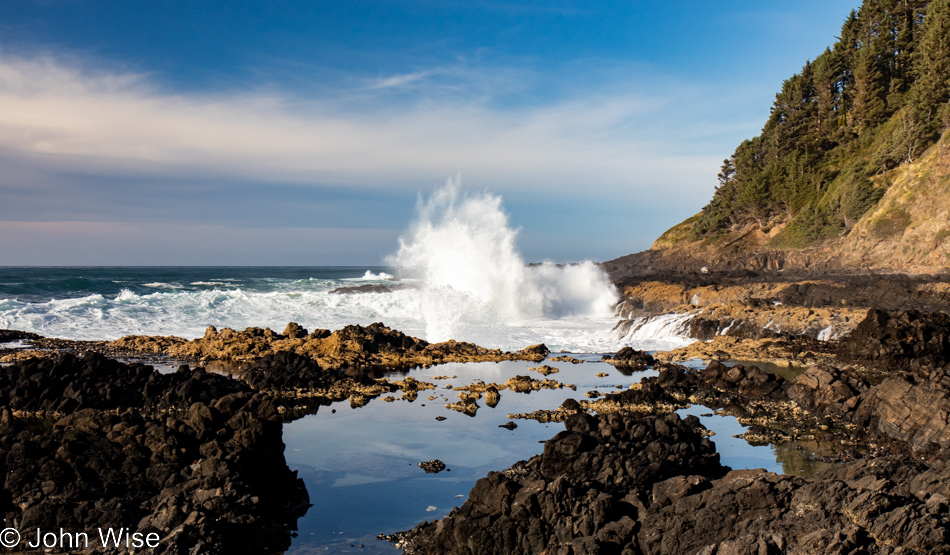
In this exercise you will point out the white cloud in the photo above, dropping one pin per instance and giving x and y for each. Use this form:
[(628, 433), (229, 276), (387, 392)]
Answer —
[(62, 118), (395, 81)]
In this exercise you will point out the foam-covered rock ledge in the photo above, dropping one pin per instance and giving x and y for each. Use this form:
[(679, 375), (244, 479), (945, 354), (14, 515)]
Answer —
[(758, 306)]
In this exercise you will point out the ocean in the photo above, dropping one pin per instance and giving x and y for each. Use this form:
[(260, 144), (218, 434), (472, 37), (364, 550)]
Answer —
[(458, 274), (106, 303)]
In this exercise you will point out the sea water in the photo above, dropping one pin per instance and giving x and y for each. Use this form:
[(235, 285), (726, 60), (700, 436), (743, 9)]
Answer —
[(457, 274), (108, 303)]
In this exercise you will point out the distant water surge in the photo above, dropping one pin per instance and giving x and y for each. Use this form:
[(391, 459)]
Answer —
[(456, 275), (461, 253)]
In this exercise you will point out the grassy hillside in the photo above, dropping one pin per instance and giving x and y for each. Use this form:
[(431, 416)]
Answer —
[(909, 228)]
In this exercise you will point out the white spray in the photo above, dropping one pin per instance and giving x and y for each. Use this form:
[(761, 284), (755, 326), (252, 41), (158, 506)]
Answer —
[(461, 252)]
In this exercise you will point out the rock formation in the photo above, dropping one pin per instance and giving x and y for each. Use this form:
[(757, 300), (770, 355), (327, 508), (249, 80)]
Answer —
[(193, 457)]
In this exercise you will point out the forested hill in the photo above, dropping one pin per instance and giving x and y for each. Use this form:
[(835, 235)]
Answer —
[(875, 100), (841, 133)]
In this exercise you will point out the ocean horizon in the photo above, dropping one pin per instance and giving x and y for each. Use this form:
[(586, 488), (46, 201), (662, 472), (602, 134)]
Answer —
[(108, 302)]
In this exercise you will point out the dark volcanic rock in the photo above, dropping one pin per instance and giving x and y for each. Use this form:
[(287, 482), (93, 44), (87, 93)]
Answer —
[(890, 382), (586, 490), (867, 506), (623, 485), (910, 340), (630, 359), (916, 414), (717, 385), (194, 457), (432, 467), (371, 288), (13, 335), (705, 329), (289, 371), (69, 383), (826, 389)]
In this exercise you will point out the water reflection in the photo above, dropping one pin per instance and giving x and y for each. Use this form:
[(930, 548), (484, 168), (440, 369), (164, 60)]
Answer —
[(360, 464)]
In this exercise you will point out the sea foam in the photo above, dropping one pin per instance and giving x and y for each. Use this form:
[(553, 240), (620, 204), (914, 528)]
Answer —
[(457, 274), (461, 251)]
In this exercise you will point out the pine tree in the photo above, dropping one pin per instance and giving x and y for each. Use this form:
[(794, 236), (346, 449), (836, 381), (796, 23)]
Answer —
[(932, 88), (827, 78), (870, 70)]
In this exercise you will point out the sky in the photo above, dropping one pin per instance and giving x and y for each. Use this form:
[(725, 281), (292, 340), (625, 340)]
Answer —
[(232, 132)]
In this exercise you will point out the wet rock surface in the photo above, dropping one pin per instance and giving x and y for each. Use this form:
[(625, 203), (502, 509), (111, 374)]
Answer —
[(432, 467), (566, 358), (622, 484), (371, 288), (633, 480), (354, 347), (7, 336), (630, 359), (757, 305), (909, 340), (193, 457), (586, 489), (350, 347), (778, 349), (889, 381), (299, 382)]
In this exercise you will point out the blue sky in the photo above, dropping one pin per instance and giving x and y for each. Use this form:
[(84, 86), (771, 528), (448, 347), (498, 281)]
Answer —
[(299, 133)]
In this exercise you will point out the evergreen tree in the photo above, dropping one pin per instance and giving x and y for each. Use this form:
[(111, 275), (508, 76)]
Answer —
[(870, 73), (828, 84), (932, 88)]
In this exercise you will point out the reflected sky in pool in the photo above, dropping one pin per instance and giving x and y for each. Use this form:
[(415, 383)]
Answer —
[(360, 465)]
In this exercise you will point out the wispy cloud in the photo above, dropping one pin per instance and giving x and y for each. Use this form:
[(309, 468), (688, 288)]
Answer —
[(62, 118), (398, 80)]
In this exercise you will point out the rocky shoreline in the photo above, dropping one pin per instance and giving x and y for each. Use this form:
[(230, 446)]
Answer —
[(758, 304), (639, 480), (627, 485), (192, 457), (196, 457)]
